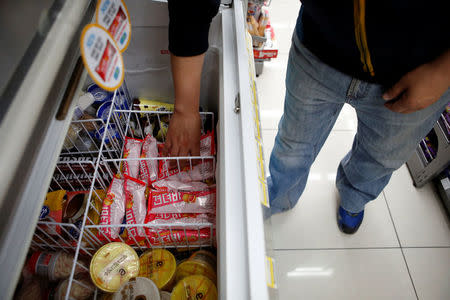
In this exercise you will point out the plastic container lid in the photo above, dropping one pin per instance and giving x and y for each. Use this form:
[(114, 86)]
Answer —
[(113, 265), (192, 267), (138, 288), (158, 265), (194, 287), (100, 95)]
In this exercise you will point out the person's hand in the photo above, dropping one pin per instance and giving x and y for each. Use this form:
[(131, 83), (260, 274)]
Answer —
[(419, 88), (183, 135)]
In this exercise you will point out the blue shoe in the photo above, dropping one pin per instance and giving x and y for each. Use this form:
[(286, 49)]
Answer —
[(349, 222)]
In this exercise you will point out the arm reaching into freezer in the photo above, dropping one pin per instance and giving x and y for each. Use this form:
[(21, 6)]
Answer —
[(188, 41)]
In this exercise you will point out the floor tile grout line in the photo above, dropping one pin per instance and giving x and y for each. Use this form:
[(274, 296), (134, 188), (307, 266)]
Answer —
[(400, 244)]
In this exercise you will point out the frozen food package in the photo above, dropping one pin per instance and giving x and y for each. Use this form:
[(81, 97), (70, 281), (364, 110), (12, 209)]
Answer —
[(139, 288), (113, 210), (102, 57), (131, 150), (179, 237), (136, 208), (174, 185), (113, 16), (149, 168), (81, 289), (207, 145), (195, 287), (182, 202), (52, 265), (52, 211), (113, 265), (199, 263), (199, 172), (151, 105), (181, 219), (263, 21), (159, 265)]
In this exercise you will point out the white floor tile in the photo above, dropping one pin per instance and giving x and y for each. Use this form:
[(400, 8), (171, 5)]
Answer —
[(343, 274), (418, 213), (430, 271), (311, 224)]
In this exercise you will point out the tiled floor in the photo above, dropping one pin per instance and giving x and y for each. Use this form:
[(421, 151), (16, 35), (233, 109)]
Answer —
[(401, 251)]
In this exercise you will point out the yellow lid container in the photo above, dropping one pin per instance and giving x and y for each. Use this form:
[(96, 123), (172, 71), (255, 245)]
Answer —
[(158, 265), (193, 267), (113, 265), (194, 287)]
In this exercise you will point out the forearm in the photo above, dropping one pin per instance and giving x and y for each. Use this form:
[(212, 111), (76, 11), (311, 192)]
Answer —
[(186, 74)]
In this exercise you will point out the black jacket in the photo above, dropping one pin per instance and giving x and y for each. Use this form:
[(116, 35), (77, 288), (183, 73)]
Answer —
[(373, 40)]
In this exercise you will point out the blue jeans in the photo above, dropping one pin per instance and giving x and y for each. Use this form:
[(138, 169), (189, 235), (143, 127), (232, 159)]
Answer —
[(315, 94)]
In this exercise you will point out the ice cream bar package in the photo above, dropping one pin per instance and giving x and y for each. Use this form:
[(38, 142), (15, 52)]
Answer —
[(131, 150), (181, 219), (174, 185), (202, 171), (167, 237), (207, 146), (182, 202), (149, 168), (113, 210), (136, 209)]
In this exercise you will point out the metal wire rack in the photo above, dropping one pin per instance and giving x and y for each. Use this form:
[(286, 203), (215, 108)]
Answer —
[(90, 158)]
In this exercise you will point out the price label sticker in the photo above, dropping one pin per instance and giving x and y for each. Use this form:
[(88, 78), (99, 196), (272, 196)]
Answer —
[(101, 57), (114, 17), (270, 274)]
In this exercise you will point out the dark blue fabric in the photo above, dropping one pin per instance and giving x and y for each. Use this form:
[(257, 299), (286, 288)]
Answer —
[(350, 220), (401, 35)]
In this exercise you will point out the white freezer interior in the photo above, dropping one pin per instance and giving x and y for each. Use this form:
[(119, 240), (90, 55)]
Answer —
[(240, 230)]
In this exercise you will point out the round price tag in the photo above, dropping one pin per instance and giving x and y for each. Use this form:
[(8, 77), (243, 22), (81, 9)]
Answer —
[(114, 17), (101, 57)]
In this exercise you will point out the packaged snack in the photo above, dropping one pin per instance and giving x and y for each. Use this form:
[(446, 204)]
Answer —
[(138, 288), (93, 217), (263, 21), (52, 265), (202, 171), (182, 202), (131, 150), (200, 263), (135, 205), (151, 105), (52, 211), (194, 287), (173, 185), (171, 237), (182, 219), (113, 265), (101, 57), (207, 145), (149, 168), (81, 289), (158, 265), (113, 16), (113, 210), (100, 95)]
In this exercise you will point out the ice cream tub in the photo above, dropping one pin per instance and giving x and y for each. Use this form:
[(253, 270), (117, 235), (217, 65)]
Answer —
[(138, 288), (158, 265), (194, 287)]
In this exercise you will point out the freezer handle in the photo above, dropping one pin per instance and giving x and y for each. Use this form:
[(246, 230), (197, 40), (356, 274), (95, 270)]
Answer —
[(70, 91)]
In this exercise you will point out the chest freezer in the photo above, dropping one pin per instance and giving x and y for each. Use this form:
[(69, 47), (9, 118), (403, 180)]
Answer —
[(38, 116)]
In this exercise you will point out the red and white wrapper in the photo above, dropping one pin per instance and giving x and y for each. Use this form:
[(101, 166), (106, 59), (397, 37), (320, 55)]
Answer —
[(167, 237), (113, 209), (180, 219), (131, 149), (199, 172), (182, 202), (174, 185), (136, 209), (207, 146), (149, 168)]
